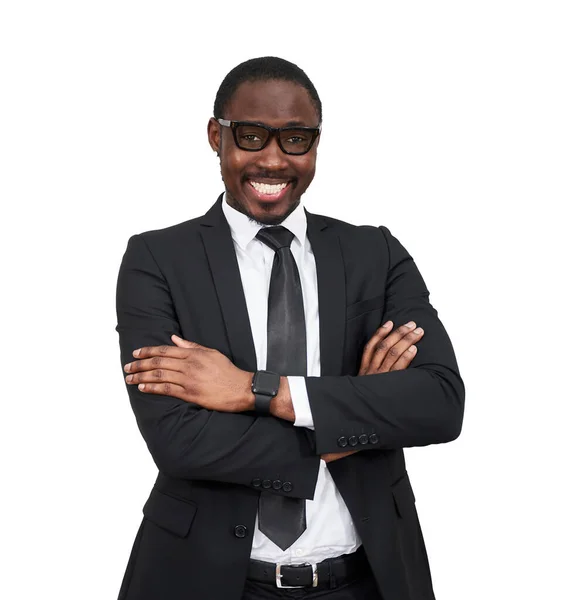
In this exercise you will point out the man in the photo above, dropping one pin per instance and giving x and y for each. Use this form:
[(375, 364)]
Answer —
[(268, 382)]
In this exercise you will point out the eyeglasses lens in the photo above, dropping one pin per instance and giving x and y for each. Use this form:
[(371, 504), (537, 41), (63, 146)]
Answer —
[(293, 140)]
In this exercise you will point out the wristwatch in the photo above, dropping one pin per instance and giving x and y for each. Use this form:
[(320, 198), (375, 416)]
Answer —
[(265, 386)]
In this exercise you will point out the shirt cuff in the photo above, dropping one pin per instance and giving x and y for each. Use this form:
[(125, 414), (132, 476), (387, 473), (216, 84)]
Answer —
[(300, 403)]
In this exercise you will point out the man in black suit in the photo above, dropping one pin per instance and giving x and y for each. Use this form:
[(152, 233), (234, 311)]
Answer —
[(267, 381)]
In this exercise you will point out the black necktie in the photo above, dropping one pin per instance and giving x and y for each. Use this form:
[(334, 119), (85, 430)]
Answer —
[(283, 519)]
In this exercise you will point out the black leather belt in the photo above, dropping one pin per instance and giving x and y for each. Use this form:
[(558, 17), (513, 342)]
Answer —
[(328, 573)]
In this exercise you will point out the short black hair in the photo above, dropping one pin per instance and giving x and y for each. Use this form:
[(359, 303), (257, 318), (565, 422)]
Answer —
[(264, 68)]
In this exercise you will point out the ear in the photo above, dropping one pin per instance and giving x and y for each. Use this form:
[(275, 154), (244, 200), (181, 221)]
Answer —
[(317, 140), (214, 135)]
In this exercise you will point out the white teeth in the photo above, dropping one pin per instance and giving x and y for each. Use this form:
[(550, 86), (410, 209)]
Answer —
[(266, 188)]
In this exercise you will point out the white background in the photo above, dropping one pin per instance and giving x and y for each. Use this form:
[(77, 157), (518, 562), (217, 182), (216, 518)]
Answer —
[(449, 122)]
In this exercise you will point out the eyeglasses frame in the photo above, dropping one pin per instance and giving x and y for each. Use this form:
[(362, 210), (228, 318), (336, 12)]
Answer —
[(273, 132)]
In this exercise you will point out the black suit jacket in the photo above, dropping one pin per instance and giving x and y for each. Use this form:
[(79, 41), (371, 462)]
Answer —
[(195, 538)]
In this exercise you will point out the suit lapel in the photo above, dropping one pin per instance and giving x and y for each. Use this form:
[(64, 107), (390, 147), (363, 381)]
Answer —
[(331, 293), (227, 279)]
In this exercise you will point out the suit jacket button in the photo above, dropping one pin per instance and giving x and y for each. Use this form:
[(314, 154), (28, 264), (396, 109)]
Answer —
[(363, 439), (287, 486), (241, 531), (353, 440), (342, 442), (277, 484), (374, 439), (266, 484), (256, 483)]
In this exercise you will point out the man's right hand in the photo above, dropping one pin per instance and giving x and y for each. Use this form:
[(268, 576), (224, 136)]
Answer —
[(386, 351), (390, 351)]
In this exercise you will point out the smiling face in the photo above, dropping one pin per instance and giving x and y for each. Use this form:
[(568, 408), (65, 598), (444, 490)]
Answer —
[(266, 185)]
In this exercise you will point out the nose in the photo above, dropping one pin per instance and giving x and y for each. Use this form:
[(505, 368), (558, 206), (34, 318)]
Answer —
[(271, 157)]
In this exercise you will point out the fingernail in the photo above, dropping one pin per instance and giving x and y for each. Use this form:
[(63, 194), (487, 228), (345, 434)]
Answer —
[(411, 325), (141, 386), (387, 324), (418, 330), (175, 336), (412, 349), (129, 378), (127, 367), (136, 352)]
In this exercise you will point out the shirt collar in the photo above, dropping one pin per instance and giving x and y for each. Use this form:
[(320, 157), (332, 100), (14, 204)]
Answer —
[(243, 230)]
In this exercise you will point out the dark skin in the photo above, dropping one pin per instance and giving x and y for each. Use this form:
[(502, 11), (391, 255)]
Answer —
[(203, 376), (207, 378), (277, 104)]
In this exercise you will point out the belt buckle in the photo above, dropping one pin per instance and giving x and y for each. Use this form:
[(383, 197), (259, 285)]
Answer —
[(278, 577)]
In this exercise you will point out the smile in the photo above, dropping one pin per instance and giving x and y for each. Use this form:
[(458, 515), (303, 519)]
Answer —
[(268, 189)]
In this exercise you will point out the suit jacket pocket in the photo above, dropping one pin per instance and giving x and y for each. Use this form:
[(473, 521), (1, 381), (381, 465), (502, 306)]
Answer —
[(364, 306), (403, 496), (168, 512)]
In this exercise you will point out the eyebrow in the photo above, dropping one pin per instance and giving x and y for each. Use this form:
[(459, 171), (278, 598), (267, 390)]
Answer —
[(288, 124)]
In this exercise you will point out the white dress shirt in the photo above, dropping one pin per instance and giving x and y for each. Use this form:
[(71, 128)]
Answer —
[(330, 531)]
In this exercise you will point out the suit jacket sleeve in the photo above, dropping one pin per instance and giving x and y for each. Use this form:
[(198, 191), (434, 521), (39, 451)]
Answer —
[(185, 440), (420, 405)]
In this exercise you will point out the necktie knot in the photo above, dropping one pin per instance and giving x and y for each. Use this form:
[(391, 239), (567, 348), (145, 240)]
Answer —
[(276, 237)]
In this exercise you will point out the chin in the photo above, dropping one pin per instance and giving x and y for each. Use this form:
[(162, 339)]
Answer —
[(265, 213)]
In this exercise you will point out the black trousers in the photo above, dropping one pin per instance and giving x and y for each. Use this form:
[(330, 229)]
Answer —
[(360, 589)]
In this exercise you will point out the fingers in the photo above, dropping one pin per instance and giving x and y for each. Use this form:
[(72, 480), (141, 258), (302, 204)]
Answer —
[(405, 359), (390, 349), (162, 378), (157, 362), (371, 346), (176, 351), (165, 389), (166, 357), (379, 344), (181, 343), (384, 349), (337, 455), (168, 351), (407, 337)]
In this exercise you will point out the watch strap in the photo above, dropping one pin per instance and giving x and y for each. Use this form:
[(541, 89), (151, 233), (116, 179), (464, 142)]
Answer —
[(263, 404), (265, 387)]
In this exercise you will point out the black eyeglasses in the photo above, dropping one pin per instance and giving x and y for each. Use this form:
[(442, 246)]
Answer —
[(253, 137)]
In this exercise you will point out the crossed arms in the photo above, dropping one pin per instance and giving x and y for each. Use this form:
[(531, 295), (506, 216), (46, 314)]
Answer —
[(193, 408)]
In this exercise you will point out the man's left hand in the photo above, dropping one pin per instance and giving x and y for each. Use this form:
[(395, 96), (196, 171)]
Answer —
[(192, 373)]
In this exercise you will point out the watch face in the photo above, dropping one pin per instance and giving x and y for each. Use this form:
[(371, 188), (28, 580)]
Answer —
[(266, 383)]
